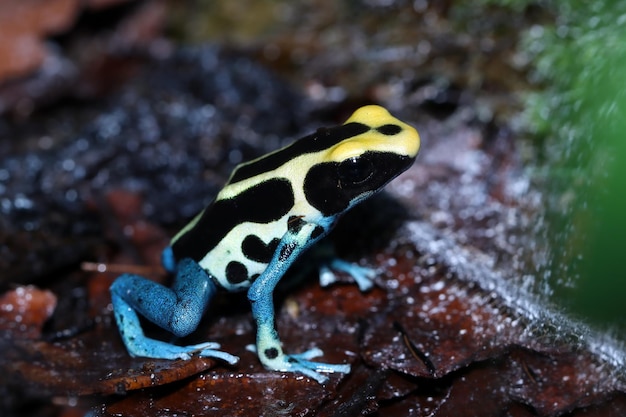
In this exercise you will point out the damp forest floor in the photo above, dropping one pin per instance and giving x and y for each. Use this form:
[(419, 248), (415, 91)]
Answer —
[(124, 120)]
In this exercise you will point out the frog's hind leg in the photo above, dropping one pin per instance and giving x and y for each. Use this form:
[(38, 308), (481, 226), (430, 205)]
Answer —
[(178, 310)]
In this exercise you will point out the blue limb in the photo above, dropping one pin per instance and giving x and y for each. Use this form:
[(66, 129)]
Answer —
[(363, 276), (168, 261), (268, 345), (178, 310)]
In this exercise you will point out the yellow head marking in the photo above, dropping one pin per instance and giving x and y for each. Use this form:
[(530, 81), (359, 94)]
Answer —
[(387, 134), (372, 115)]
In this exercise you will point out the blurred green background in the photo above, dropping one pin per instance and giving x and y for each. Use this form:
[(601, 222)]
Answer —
[(579, 118)]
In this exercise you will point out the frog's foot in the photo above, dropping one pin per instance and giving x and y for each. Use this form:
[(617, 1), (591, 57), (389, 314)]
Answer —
[(363, 276), (157, 349), (300, 362)]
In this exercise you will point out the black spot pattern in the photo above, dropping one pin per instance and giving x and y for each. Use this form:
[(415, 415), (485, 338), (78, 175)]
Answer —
[(271, 353), (236, 272), (255, 249), (286, 251), (264, 203), (317, 232), (295, 224), (389, 129)]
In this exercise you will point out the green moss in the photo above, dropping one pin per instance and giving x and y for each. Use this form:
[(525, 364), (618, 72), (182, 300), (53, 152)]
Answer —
[(580, 112), (516, 5)]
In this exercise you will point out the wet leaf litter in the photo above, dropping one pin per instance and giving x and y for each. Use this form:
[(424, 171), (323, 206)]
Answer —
[(441, 328)]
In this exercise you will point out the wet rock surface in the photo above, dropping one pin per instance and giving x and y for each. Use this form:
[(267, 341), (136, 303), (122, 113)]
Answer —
[(177, 143)]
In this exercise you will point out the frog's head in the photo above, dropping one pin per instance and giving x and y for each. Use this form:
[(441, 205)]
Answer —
[(369, 150)]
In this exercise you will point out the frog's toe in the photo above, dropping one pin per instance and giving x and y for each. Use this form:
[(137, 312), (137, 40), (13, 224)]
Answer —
[(363, 276), (328, 368), (307, 355), (202, 346), (300, 363), (209, 350), (218, 354)]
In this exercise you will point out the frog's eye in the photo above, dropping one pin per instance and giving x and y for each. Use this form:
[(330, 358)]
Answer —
[(355, 170)]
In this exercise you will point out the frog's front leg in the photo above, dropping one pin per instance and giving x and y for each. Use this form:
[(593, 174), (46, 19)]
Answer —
[(177, 310), (268, 345)]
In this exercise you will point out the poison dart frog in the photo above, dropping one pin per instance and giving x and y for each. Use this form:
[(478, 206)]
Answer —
[(270, 211)]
